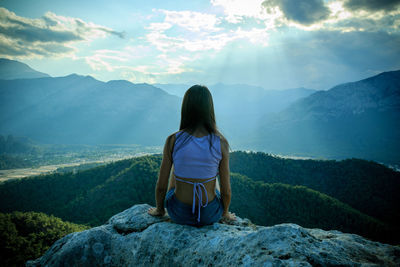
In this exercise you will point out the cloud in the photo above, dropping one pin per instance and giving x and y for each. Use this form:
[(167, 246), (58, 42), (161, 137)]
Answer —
[(35, 34), (50, 35), (346, 20), (314, 15), (197, 32), (17, 48), (236, 10), (111, 60), (147, 66), (388, 23), (207, 42), (372, 5), (304, 12), (191, 20)]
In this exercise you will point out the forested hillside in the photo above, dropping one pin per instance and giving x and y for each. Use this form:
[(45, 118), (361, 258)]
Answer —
[(365, 185), (92, 196), (27, 235), (270, 204)]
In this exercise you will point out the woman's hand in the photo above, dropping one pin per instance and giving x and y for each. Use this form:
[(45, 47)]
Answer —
[(156, 212), (228, 217)]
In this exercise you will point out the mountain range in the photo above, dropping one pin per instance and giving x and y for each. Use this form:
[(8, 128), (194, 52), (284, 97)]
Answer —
[(81, 109), (355, 119), (240, 106)]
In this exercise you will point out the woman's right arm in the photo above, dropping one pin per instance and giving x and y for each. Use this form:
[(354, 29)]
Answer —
[(224, 177)]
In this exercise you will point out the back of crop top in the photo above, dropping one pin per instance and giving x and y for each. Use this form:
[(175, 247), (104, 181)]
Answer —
[(193, 157)]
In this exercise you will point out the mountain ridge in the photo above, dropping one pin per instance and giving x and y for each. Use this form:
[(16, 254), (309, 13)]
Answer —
[(12, 69), (358, 91), (356, 119), (68, 107)]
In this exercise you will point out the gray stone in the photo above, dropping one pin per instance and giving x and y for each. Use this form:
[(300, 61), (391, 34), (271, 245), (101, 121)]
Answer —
[(134, 238)]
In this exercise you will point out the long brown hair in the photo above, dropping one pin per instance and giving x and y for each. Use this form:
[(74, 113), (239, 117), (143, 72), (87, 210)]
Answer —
[(198, 110)]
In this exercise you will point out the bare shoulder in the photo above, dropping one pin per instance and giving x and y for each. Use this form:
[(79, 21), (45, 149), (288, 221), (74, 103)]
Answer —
[(170, 140), (172, 136), (224, 144), (168, 146)]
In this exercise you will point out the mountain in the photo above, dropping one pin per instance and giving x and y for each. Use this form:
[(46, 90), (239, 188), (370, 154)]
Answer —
[(134, 238), (240, 107), (237, 89), (12, 69), (173, 88), (92, 196), (357, 119), (16, 145), (82, 110)]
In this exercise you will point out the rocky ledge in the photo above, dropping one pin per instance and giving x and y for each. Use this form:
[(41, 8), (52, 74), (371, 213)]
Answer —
[(134, 238)]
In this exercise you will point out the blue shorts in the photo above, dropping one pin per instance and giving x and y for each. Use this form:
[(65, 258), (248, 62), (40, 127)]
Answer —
[(181, 213)]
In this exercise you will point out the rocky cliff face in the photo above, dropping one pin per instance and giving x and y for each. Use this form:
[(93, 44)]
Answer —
[(134, 238)]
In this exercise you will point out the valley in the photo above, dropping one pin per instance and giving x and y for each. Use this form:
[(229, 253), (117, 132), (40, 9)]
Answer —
[(64, 158)]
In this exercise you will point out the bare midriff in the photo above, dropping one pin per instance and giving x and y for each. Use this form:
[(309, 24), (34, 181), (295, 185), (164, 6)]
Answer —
[(184, 191)]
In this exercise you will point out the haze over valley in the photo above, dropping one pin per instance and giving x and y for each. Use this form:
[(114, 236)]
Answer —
[(355, 119)]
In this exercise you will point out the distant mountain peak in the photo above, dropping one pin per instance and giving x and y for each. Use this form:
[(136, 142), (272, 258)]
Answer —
[(390, 72), (12, 69), (357, 119), (376, 92)]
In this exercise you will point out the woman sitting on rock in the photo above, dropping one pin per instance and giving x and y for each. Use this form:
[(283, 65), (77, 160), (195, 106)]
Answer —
[(197, 154)]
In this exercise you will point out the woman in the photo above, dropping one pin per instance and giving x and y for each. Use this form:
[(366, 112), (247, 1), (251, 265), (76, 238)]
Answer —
[(197, 153)]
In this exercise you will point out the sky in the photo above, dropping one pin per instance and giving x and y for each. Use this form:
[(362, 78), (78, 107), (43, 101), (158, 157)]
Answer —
[(275, 44)]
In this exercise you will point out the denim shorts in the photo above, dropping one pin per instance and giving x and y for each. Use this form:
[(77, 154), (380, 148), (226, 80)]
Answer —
[(181, 213)]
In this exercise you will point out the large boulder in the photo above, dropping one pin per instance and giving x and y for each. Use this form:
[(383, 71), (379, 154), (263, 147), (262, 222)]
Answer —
[(134, 238)]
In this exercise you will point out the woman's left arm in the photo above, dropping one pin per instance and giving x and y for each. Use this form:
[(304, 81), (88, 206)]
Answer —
[(162, 182)]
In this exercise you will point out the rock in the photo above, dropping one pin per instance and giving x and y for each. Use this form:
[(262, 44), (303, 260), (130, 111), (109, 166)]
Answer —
[(134, 238)]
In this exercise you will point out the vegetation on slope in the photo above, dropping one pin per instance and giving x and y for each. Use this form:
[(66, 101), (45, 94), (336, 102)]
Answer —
[(27, 235), (92, 196), (365, 185), (270, 204)]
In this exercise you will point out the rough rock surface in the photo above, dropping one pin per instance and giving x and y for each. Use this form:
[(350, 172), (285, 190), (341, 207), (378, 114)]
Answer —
[(134, 238)]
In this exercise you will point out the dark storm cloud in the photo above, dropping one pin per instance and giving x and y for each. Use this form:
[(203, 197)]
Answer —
[(304, 12), (372, 5)]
